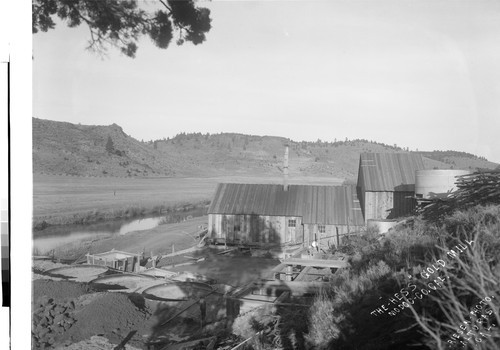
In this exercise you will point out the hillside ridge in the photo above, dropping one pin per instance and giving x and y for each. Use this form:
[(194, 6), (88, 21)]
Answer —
[(63, 148)]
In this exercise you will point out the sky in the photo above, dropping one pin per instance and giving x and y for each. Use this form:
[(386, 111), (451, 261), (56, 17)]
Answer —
[(419, 74)]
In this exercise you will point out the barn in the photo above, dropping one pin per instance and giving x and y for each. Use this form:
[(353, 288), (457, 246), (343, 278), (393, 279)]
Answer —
[(271, 214), (386, 184)]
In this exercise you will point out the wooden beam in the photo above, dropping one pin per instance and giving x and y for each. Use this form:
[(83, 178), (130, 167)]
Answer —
[(240, 345), (278, 268), (289, 284), (190, 344), (282, 297), (316, 263), (295, 288), (303, 273), (129, 336), (227, 251), (258, 297), (243, 289), (298, 252), (267, 302)]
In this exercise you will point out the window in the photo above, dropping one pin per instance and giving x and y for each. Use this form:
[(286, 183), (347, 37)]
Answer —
[(292, 223), (321, 229)]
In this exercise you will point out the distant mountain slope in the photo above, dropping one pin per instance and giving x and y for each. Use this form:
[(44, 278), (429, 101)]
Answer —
[(460, 160), (83, 150), (69, 149)]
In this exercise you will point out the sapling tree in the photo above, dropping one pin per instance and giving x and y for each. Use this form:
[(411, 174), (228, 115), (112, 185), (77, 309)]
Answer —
[(110, 147)]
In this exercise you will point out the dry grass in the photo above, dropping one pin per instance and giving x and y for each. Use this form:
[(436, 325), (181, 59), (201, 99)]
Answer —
[(65, 199), (341, 318), (324, 323), (472, 276)]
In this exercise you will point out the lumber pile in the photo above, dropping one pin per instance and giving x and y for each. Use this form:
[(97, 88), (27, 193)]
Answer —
[(472, 189)]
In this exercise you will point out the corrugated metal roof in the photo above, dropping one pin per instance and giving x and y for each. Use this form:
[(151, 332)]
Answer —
[(393, 172), (327, 205)]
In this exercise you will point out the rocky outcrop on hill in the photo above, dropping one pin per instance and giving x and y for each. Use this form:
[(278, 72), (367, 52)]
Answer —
[(61, 148)]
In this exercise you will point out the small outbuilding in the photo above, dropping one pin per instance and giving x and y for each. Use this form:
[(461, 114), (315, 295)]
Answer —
[(115, 259), (268, 214), (386, 184)]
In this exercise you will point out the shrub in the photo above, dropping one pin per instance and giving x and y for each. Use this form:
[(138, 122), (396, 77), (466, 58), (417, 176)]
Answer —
[(341, 319), (250, 323), (273, 327), (472, 276), (323, 322)]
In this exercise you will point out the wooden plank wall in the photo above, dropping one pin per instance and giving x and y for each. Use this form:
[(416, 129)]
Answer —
[(255, 229), (329, 237), (388, 205), (378, 205), (402, 204)]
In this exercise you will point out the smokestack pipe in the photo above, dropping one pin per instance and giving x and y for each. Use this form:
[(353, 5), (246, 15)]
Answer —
[(285, 170)]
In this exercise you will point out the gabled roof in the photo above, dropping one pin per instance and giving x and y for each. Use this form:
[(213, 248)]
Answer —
[(326, 205), (392, 172)]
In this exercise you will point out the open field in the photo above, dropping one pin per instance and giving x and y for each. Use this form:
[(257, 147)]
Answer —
[(66, 195), (58, 199)]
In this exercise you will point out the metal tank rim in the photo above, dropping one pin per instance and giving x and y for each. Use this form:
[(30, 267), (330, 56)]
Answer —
[(61, 268), (204, 286)]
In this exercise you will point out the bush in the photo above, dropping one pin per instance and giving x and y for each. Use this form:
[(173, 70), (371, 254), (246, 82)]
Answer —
[(472, 276), (341, 318), (323, 322), (250, 323), (280, 327)]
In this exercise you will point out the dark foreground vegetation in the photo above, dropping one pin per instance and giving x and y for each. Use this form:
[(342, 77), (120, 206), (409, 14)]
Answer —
[(427, 284)]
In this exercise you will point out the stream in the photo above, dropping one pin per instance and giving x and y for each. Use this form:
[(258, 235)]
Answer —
[(56, 236)]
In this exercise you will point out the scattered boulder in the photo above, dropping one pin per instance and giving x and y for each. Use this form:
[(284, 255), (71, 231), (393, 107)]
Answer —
[(50, 320)]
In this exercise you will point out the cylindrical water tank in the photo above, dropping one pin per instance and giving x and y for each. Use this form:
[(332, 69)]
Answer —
[(381, 225), (437, 183)]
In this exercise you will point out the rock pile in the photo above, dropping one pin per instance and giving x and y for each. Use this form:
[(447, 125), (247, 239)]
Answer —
[(50, 320), (58, 290), (95, 342), (113, 315)]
